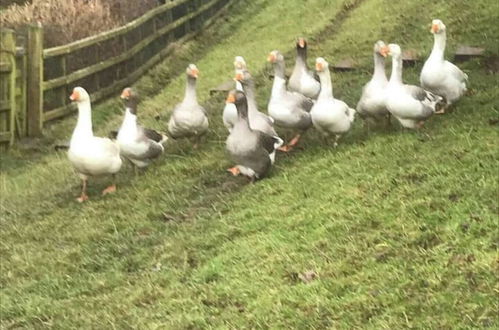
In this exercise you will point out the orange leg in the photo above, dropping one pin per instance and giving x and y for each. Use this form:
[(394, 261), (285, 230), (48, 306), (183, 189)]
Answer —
[(234, 170), (83, 197), (109, 190), (294, 141), (291, 144)]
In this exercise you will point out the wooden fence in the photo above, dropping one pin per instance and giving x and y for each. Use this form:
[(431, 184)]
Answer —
[(36, 82)]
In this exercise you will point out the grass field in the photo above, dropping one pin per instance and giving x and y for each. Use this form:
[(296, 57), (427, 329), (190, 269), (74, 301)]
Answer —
[(400, 228)]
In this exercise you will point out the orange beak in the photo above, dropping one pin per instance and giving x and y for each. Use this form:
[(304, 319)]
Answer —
[(126, 93), (238, 65), (319, 66), (301, 42), (271, 58), (384, 51), (238, 77), (230, 98), (75, 96), (195, 73), (434, 28)]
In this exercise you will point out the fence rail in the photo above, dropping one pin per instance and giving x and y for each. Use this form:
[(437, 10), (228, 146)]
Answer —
[(103, 63)]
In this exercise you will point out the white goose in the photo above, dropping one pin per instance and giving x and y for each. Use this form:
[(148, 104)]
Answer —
[(91, 155), (189, 118), (302, 80), (371, 105), (410, 104), (250, 149), (229, 115), (288, 109), (138, 144), (329, 115), (440, 76), (257, 119)]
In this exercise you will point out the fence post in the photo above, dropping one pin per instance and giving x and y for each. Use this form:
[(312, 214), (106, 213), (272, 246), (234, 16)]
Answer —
[(35, 80)]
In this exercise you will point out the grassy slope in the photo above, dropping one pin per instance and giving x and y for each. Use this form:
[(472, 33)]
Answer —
[(401, 229)]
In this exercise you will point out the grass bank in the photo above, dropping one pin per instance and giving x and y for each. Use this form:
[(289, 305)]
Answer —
[(400, 228)]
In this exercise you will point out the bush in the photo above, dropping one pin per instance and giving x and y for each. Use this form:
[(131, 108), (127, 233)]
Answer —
[(65, 21)]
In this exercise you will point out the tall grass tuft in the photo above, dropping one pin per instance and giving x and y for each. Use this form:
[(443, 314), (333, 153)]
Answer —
[(65, 21)]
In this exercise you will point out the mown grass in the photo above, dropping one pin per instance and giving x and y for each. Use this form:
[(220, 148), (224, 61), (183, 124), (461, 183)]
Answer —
[(400, 227)]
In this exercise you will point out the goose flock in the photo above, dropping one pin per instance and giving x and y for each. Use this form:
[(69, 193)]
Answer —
[(306, 100)]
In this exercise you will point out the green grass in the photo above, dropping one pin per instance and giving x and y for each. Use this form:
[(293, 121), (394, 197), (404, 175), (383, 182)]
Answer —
[(400, 228)]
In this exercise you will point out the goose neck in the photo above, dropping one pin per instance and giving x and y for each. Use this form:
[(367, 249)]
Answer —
[(249, 90), (326, 92), (84, 123), (396, 76), (190, 90), (130, 118), (379, 67), (301, 57), (438, 46), (279, 85), (239, 87)]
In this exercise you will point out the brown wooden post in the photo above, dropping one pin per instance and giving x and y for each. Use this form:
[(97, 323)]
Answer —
[(35, 80), (63, 93)]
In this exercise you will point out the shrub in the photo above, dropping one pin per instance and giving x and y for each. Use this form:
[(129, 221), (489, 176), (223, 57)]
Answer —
[(65, 21)]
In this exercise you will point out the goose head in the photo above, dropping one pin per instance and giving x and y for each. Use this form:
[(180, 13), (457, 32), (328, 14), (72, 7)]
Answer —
[(275, 57), (394, 50), (131, 99), (192, 71), (380, 48), (239, 63), (239, 100), (301, 48), (243, 76), (301, 43), (79, 95), (321, 64), (437, 26)]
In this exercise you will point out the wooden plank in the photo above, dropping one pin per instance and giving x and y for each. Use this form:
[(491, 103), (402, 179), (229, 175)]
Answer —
[(20, 51), (5, 67), (465, 52), (21, 63), (68, 48), (8, 51), (346, 64), (223, 87), (77, 75), (118, 85), (410, 57), (5, 136), (4, 105), (35, 80)]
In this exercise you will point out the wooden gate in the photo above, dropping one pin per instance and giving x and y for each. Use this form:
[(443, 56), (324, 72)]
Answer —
[(12, 88)]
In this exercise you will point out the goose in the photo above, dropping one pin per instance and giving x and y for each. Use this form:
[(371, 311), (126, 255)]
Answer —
[(329, 115), (439, 76), (371, 105), (229, 115), (302, 80), (258, 120), (137, 144), (250, 149), (410, 104), (91, 155), (288, 109), (189, 118)]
